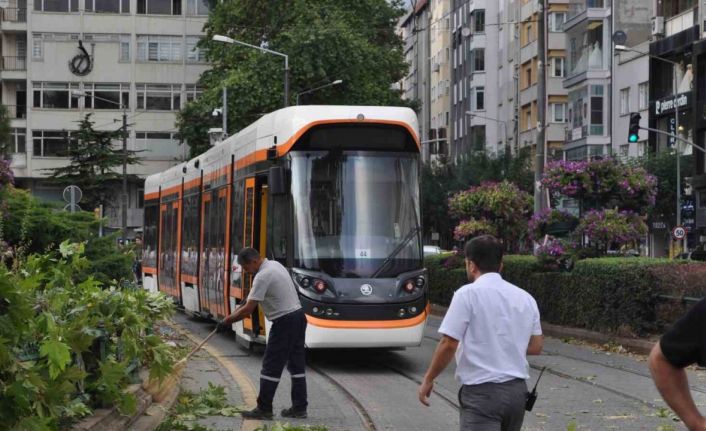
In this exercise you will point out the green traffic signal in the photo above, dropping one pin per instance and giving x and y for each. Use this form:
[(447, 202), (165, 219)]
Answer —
[(634, 129)]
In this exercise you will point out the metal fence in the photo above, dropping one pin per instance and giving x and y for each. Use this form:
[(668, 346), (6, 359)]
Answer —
[(14, 111), (14, 14), (14, 62)]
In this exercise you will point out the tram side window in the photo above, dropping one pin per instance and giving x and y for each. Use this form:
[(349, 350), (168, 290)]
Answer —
[(277, 224), (190, 235), (236, 229), (150, 235)]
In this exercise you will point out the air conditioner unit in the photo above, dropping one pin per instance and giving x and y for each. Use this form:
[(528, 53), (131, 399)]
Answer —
[(657, 26)]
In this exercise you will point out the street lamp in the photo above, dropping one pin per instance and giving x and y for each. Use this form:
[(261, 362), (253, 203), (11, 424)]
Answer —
[(226, 39), (623, 48), (311, 90), (124, 199), (504, 123)]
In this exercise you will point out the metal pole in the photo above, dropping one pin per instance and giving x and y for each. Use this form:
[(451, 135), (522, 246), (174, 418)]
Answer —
[(286, 81), (100, 223), (539, 204), (677, 144), (225, 111), (124, 197)]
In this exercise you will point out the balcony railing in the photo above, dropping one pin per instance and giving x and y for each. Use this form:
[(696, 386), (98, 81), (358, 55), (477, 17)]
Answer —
[(14, 14), (14, 63), (16, 112)]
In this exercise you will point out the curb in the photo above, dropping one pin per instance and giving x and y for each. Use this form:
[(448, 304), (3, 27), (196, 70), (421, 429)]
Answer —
[(112, 420), (635, 345)]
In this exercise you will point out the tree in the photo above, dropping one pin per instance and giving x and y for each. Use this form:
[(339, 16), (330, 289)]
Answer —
[(499, 209), (439, 183), (6, 148), (325, 40), (94, 164), (663, 165)]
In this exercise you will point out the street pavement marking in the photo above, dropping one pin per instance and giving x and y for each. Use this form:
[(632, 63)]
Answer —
[(247, 388)]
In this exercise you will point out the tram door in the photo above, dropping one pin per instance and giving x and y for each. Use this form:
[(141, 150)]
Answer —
[(168, 248), (255, 235)]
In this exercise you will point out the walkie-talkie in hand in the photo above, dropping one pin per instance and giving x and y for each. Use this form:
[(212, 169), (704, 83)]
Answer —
[(532, 396)]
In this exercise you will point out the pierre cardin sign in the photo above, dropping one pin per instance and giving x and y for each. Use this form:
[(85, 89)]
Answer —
[(669, 104)]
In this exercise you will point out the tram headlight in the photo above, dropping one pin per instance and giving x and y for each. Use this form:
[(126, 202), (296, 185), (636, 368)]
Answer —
[(305, 282), (409, 286), (320, 286), (420, 281)]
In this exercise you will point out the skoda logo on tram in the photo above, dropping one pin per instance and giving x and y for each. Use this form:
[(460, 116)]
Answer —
[(366, 289)]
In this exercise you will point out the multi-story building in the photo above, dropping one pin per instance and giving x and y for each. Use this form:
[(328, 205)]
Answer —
[(475, 124), (138, 53), (416, 86), (527, 64), (440, 79), (588, 78)]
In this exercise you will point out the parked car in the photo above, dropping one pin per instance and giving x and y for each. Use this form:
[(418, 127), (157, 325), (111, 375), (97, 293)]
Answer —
[(430, 250)]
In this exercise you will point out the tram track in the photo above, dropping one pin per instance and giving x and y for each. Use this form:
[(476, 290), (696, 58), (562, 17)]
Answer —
[(586, 381), (365, 418)]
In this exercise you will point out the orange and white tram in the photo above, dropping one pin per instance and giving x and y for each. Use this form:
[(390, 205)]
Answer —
[(331, 192)]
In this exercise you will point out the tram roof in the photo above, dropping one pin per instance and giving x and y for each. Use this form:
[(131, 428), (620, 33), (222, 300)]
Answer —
[(281, 126)]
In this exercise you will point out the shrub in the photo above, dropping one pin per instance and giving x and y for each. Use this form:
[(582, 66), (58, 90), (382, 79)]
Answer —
[(69, 345), (610, 227), (604, 294)]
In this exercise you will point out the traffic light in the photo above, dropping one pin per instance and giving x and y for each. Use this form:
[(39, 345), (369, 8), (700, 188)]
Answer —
[(634, 129)]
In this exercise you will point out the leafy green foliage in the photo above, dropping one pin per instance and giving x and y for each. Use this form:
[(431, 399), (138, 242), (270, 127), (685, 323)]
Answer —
[(29, 226), (663, 165), (287, 427), (325, 40), (499, 209), (604, 294), (6, 141), (68, 343), (94, 164), (438, 184), (192, 406)]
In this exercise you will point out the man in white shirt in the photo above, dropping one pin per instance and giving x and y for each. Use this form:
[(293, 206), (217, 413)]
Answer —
[(491, 326)]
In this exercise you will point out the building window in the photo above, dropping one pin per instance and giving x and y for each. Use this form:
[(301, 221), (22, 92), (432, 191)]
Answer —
[(528, 119), (625, 101), (18, 143), (478, 60), (159, 7), (200, 7), (556, 21), (124, 48), (153, 97), (107, 96), (478, 21), (108, 6), (54, 95), (557, 67), (478, 138), (558, 112), (56, 5), (528, 35), (643, 91), (478, 99), (37, 48), (670, 8), (158, 145), (193, 92), (194, 54), (51, 143), (159, 48), (596, 110)]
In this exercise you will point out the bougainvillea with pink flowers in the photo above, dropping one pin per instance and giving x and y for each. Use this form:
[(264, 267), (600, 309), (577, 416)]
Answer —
[(540, 224), (606, 228)]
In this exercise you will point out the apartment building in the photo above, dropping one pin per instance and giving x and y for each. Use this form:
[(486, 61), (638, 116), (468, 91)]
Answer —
[(440, 79), (140, 54)]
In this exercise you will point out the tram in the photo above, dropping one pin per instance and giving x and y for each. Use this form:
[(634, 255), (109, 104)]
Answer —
[(331, 192)]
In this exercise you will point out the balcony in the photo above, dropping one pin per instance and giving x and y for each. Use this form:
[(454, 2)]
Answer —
[(13, 19), (14, 14), (13, 68), (15, 112)]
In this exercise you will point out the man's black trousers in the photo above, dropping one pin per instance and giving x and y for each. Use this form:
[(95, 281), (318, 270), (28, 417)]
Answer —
[(285, 346)]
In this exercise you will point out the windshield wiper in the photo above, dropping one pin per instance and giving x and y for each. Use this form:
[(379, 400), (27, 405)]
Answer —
[(397, 250)]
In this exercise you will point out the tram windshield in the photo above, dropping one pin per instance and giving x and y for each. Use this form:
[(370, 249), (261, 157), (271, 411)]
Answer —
[(356, 213)]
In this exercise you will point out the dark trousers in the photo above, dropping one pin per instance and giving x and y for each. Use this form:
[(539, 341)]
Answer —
[(285, 346), (493, 406)]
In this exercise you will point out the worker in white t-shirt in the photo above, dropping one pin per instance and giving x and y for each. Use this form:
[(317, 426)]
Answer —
[(491, 326)]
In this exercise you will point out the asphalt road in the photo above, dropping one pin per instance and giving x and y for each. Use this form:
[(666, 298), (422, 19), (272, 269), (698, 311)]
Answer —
[(582, 389)]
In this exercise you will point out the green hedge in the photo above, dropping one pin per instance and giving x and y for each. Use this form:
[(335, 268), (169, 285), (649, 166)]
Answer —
[(604, 294)]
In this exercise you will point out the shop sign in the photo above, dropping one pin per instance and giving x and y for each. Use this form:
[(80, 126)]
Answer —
[(668, 104)]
